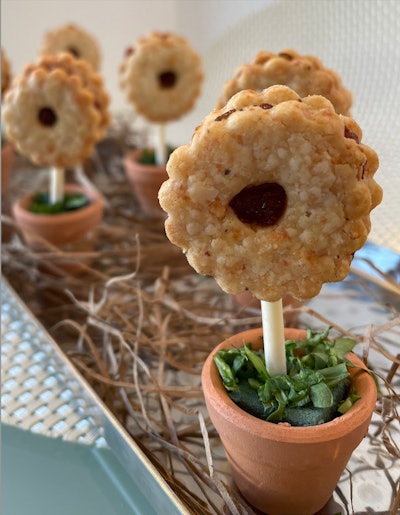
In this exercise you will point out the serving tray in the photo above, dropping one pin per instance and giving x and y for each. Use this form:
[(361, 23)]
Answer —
[(62, 448)]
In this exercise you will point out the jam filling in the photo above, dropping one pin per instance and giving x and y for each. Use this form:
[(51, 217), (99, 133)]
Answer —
[(74, 51), (47, 117), (167, 79), (350, 134), (261, 205)]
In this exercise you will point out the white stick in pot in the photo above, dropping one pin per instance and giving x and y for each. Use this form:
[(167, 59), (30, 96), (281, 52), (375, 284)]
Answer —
[(56, 188), (274, 338)]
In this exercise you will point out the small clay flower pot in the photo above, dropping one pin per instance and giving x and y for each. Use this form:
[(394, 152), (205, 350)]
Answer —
[(146, 180), (7, 161), (73, 231), (280, 469)]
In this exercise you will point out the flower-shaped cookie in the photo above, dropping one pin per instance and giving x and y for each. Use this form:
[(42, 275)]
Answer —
[(5, 73), (90, 80), (162, 76), (74, 40), (56, 111), (272, 195), (304, 73)]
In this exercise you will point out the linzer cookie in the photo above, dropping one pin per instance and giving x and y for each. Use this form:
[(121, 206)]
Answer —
[(305, 74), (161, 76), (272, 195), (56, 111), (90, 80), (74, 40)]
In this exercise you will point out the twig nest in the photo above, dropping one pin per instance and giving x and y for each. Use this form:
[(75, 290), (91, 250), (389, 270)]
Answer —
[(5, 73), (161, 76), (305, 74), (272, 195), (74, 40), (56, 111)]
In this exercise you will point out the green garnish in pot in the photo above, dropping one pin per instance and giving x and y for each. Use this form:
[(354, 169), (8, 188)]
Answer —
[(148, 156), (70, 202), (313, 391), (348, 402)]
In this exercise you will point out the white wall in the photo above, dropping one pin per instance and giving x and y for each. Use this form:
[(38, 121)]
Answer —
[(117, 24)]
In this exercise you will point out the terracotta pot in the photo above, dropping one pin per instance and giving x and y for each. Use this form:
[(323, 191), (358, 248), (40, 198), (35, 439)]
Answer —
[(7, 161), (283, 470), (146, 180), (74, 231)]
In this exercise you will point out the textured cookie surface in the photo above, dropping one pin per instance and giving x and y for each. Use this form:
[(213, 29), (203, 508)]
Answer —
[(161, 76), (74, 40), (273, 194), (90, 80), (305, 74), (56, 111)]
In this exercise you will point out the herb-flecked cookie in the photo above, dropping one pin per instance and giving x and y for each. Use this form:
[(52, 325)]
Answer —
[(273, 194), (306, 74), (74, 40), (161, 76), (56, 111)]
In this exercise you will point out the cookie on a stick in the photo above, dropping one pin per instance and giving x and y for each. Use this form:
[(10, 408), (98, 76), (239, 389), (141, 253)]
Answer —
[(55, 113), (161, 76), (272, 195)]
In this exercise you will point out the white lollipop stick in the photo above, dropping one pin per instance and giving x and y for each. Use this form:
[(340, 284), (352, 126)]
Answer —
[(56, 189), (274, 338), (161, 145)]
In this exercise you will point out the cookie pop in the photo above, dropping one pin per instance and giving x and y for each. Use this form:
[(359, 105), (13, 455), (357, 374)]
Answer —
[(273, 195), (161, 76), (55, 113)]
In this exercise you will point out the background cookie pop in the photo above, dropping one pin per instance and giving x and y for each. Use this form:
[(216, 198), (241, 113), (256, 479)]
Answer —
[(161, 76), (55, 112)]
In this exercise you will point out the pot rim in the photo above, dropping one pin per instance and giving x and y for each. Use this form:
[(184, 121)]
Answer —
[(21, 212), (216, 394)]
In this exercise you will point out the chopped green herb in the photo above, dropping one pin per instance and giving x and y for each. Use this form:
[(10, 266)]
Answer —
[(226, 373), (348, 403), (321, 395), (258, 363), (70, 202), (148, 156), (317, 379)]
